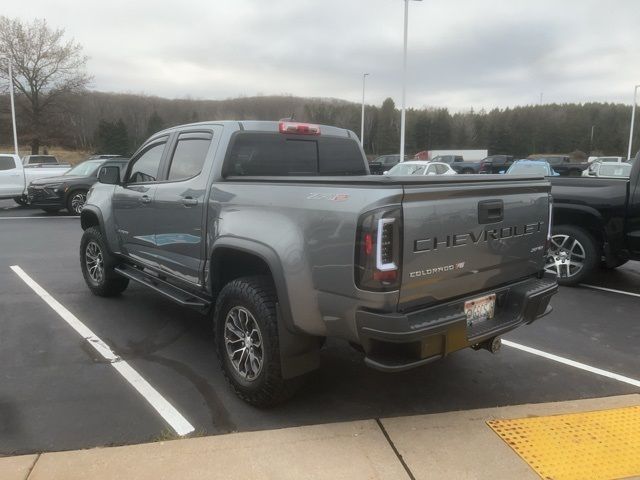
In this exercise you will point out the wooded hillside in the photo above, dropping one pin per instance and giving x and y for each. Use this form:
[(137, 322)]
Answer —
[(118, 123)]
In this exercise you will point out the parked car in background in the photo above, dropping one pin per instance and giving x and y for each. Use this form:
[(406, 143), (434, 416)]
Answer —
[(614, 170), (69, 190), (276, 232), (31, 160), (469, 155), (563, 164), (14, 177), (458, 163), (595, 164), (596, 222), (531, 167), (383, 163), (420, 167), (495, 164)]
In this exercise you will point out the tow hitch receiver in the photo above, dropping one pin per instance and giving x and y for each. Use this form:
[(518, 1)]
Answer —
[(493, 345)]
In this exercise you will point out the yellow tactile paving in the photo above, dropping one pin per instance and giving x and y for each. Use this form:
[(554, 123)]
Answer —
[(604, 444)]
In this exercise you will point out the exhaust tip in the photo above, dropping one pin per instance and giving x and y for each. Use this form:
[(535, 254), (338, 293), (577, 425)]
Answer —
[(492, 345)]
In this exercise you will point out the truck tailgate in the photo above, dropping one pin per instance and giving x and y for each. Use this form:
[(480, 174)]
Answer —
[(462, 238)]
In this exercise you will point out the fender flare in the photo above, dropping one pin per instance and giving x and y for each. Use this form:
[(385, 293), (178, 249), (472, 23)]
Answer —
[(299, 352)]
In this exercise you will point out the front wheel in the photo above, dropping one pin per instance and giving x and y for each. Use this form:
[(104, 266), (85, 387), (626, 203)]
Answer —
[(247, 342), (21, 200), (98, 264), (76, 201), (572, 255)]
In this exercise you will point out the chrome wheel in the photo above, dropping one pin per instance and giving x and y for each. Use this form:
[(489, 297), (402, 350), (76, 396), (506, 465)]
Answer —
[(77, 202), (566, 256), (243, 341), (95, 262)]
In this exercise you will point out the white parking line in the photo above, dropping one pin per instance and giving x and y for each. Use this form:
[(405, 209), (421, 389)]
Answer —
[(34, 218), (610, 290), (573, 363), (167, 411)]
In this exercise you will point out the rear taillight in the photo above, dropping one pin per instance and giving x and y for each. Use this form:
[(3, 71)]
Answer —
[(299, 128), (378, 249)]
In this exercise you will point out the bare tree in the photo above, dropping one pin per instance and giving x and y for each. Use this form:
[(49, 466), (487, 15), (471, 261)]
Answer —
[(45, 68)]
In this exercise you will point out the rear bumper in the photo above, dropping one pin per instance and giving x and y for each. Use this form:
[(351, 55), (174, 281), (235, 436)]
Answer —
[(400, 341)]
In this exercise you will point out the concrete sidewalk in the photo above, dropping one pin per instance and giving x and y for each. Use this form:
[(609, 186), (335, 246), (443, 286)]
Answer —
[(450, 445)]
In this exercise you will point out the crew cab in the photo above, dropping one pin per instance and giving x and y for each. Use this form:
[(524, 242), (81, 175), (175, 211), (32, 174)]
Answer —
[(277, 232), (14, 177), (495, 164), (69, 190), (596, 222)]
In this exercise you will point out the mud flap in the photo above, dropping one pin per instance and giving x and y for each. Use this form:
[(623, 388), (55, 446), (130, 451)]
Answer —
[(299, 354)]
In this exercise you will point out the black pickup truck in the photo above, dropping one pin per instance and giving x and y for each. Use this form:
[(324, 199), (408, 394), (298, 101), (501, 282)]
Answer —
[(596, 221)]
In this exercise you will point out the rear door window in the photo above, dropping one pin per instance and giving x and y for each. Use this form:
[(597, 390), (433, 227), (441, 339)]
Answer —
[(7, 163), (189, 155)]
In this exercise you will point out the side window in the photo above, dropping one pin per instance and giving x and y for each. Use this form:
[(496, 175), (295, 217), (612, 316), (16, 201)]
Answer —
[(145, 167), (189, 155), (431, 170), (441, 169), (6, 163)]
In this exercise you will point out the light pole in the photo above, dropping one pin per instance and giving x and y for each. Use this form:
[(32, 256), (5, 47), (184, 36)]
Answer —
[(13, 107), (404, 78), (633, 117), (364, 76)]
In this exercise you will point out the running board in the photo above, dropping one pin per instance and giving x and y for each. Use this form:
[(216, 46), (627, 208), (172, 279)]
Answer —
[(163, 287)]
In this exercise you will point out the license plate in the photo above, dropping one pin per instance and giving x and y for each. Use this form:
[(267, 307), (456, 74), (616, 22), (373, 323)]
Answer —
[(480, 309)]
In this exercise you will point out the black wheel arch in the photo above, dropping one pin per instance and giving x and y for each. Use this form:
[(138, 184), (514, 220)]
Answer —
[(584, 217)]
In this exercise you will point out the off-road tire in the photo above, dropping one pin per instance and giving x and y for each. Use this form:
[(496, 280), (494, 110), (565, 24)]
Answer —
[(111, 284), (257, 295), (591, 252)]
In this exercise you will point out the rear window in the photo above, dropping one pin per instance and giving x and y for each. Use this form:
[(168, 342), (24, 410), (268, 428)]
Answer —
[(6, 163), (42, 159), (266, 154)]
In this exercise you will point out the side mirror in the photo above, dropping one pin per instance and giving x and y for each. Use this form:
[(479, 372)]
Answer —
[(431, 173), (109, 175), (386, 172)]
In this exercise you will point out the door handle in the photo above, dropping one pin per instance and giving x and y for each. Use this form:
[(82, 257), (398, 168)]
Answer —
[(189, 202), (145, 199)]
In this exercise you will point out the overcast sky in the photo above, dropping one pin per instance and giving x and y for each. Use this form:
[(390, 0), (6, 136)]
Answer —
[(462, 53)]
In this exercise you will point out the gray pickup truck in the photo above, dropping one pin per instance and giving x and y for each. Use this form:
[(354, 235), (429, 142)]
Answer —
[(277, 232)]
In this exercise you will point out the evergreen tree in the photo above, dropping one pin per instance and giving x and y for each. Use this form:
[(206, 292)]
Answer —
[(154, 124), (112, 138)]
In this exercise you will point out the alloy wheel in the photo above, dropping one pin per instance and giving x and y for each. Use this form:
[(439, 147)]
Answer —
[(77, 202), (94, 262), (566, 256), (243, 342)]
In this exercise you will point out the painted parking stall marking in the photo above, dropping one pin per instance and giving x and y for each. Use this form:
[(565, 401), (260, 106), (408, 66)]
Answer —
[(613, 290), (573, 363), (167, 411)]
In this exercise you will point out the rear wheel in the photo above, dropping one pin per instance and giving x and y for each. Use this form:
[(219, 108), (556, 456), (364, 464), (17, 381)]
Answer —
[(98, 265), (76, 201), (572, 255), (247, 341)]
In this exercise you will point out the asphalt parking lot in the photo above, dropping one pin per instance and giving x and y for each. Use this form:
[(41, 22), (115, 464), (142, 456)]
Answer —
[(56, 393)]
